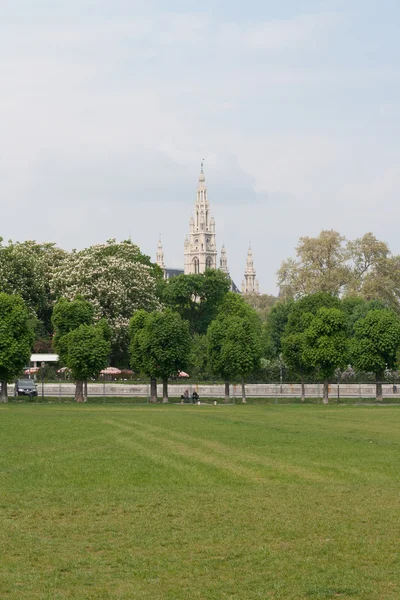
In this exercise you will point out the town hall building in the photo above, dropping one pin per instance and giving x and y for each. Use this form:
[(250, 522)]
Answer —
[(200, 247)]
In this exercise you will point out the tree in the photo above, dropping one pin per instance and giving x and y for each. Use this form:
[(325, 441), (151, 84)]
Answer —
[(321, 266), (16, 339), (325, 346), (198, 366), (87, 354), (83, 347), (262, 303), (293, 339), (117, 279), (363, 267), (197, 297), (234, 344), (26, 269), (375, 344), (274, 328), (160, 346)]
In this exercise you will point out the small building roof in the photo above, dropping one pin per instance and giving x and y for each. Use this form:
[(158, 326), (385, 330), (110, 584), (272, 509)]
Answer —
[(44, 357)]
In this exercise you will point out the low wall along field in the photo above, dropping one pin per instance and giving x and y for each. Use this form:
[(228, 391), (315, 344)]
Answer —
[(109, 389)]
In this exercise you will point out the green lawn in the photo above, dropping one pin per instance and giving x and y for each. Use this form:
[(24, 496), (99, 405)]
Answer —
[(181, 502)]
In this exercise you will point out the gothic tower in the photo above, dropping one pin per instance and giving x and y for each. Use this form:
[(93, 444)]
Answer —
[(250, 283), (160, 256), (200, 247), (223, 261)]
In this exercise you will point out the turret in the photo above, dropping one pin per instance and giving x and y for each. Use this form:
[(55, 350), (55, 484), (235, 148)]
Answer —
[(223, 261), (250, 283)]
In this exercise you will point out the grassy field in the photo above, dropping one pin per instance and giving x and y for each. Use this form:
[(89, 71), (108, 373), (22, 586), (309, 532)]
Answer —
[(186, 502)]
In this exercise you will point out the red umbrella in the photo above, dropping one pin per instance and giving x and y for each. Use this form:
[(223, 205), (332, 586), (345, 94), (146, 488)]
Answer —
[(31, 371), (183, 374), (111, 371)]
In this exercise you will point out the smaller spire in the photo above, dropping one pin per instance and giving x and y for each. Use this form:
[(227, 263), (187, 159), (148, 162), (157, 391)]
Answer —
[(250, 283), (160, 255), (223, 261)]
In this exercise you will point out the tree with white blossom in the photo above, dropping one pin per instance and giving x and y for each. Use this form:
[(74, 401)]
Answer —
[(117, 279)]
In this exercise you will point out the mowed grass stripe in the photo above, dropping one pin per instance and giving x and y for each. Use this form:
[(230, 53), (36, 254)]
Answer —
[(189, 452), (218, 454)]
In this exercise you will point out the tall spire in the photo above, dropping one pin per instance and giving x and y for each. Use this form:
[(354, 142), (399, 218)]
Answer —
[(160, 255), (250, 283), (223, 261), (200, 249)]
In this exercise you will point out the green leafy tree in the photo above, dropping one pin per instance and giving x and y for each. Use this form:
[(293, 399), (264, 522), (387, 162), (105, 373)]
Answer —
[(160, 346), (262, 303), (76, 338), (234, 342), (321, 266), (325, 347), (87, 354), (292, 340), (16, 339), (376, 343), (197, 297), (26, 269), (274, 328), (329, 263), (198, 365), (293, 345)]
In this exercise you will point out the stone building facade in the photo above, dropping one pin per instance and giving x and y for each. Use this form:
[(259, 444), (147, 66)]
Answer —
[(200, 250), (200, 247)]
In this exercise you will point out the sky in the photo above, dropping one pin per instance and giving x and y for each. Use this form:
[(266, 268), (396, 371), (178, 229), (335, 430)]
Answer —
[(107, 108)]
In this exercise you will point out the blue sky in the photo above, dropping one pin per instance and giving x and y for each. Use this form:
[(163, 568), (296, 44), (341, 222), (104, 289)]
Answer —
[(107, 108)]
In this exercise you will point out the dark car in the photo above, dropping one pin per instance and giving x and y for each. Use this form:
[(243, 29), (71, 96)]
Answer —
[(25, 387)]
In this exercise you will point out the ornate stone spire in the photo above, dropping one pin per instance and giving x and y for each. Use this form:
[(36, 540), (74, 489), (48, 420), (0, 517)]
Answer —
[(250, 283), (160, 255), (223, 261), (200, 247)]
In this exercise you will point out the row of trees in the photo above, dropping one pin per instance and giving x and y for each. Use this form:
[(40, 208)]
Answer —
[(338, 306), (364, 267), (321, 335)]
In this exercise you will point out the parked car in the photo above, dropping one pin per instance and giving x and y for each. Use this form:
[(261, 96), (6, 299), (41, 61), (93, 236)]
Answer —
[(25, 387)]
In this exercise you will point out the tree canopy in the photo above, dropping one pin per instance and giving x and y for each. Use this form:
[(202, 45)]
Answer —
[(325, 346), (329, 263), (197, 297), (234, 341), (375, 344), (160, 344), (83, 347), (16, 339)]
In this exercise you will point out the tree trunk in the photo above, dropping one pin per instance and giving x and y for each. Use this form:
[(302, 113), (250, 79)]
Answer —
[(243, 392), (379, 395), (303, 391), (153, 389), (227, 391), (79, 397), (165, 391), (325, 399), (85, 391), (4, 392)]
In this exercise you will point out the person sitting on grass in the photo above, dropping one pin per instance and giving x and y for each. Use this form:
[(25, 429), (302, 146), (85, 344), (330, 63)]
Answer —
[(185, 396), (195, 397)]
